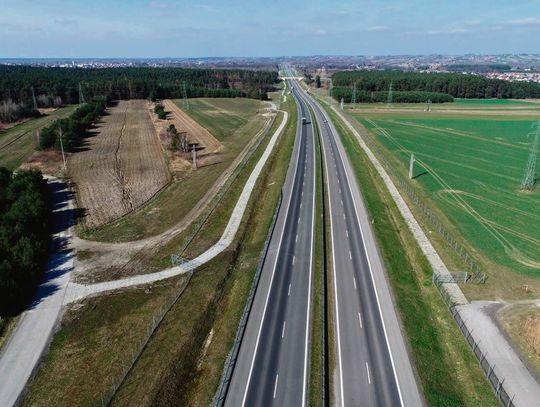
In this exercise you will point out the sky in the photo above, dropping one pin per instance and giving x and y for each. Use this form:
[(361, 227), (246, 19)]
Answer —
[(254, 28)]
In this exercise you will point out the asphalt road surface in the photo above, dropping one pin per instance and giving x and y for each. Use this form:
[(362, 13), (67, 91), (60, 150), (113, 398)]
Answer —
[(272, 368), (372, 364)]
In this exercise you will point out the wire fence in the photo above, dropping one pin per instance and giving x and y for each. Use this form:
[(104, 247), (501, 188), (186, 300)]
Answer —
[(221, 193), (474, 272), (233, 354), (489, 370), (176, 259), (108, 396)]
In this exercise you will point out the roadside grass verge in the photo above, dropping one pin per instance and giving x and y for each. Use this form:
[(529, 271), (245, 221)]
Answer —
[(19, 142), (174, 202), (448, 371), (183, 361), (93, 344)]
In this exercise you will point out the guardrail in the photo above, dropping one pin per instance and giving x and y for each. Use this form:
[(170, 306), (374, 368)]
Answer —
[(233, 354)]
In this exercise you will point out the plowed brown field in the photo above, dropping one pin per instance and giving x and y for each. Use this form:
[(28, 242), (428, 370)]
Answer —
[(122, 166)]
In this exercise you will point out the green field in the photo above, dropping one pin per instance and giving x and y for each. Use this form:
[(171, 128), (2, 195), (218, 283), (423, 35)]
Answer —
[(472, 165), (19, 142)]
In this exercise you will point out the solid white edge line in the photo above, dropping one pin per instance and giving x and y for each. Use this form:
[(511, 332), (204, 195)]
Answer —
[(283, 330), (368, 376), (342, 396), (271, 280), (354, 281), (360, 320), (275, 385), (370, 272)]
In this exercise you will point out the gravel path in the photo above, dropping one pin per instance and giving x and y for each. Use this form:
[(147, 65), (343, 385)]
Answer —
[(76, 291)]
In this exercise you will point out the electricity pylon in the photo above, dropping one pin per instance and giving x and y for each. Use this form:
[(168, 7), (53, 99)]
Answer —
[(527, 184), (34, 98), (390, 96), (185, 102), (81, 96)]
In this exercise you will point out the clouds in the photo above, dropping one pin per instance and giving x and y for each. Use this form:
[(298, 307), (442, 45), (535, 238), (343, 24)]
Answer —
[(186, 28)]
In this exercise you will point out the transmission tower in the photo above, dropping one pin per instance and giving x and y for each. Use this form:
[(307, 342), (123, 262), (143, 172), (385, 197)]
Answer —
[(527, 184), (34, 98), (353, 100), (81, 96), (390, 96), (185, 102)]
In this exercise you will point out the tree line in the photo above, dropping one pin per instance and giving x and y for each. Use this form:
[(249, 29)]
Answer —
[(71, 130), (52, 85), (456, 85), (362, 96), (25, 214)]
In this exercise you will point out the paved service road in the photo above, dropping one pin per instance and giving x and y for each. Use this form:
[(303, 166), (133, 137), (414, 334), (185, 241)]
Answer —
[(272, 368), (372, 364), (20, 355)]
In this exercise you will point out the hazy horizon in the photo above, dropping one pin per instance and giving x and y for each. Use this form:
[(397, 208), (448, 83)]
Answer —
[(152, 29)]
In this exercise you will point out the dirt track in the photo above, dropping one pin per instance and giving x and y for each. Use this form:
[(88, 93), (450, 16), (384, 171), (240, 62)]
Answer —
[(121, 167)]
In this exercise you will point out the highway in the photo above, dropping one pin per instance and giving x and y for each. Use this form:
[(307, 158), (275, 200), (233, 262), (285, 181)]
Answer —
[(272, 368), (372, 363)]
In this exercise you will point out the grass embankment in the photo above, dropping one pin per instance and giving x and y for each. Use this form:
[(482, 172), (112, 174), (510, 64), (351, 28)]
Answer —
[(233, 127), (522, 323), (19, 142), (448, 371), (183, 361), (470, 171)]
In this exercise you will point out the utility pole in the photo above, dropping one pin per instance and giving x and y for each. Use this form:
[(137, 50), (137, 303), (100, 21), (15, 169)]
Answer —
[(194, 157), (34, 98), (81, 96), (62, 148), (185, 102), (411, 164), (341, 104), (527, 184)]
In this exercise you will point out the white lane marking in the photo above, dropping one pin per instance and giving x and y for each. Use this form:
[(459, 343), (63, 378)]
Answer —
[(360, 320), (298, 220), (372, 278), (293, 257), (300, 205), (336, 300), (270, 286), (344, 217), (289, 292), (296, 240), (347, 232), (275, 386), (354, 281), (283, 330), (341, 202), (368, 377), (350, 255)]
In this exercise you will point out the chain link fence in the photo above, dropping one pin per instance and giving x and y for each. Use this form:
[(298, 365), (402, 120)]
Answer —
[(475, 273), (489, 370)]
